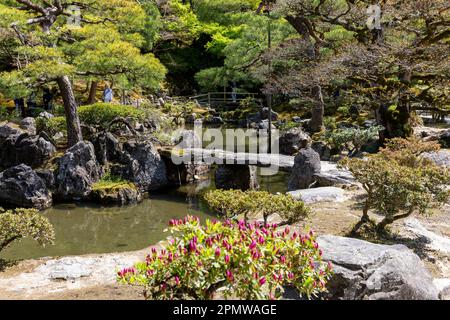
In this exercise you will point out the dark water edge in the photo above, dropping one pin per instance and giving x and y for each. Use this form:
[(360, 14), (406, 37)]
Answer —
[(85, 228)]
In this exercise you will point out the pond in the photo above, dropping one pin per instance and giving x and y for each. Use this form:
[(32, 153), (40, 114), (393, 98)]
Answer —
[(84, 228)]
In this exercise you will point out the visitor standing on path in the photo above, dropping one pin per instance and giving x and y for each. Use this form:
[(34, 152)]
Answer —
[(107, 94)]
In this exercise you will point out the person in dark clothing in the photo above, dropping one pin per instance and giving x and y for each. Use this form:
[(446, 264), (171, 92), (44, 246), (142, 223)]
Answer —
[(47, 99), (20, 106)]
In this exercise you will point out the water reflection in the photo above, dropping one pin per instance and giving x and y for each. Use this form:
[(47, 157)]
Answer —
[(87, 228)]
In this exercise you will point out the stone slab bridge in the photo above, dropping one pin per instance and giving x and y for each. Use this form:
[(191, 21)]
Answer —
[(237, 170)]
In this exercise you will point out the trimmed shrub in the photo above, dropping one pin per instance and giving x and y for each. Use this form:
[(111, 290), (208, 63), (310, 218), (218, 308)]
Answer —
[(237, 259), (51, 126), (351, 139), (233, 203), (399, 182), (101, 114), (24, 223)]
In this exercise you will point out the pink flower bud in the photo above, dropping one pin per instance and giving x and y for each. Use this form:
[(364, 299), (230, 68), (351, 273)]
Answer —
[(252, 245), (283, 259), (192, 246), (291, 276), (227, 259), (262, 280), (217, 252), (177, 280), (261, 239), (229, 275)]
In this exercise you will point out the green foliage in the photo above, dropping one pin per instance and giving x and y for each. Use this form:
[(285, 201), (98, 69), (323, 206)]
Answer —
[(351, 139), (24, 223), (51, 126), (399, 181), (111, 183), (8, 114), (245, 261), (233, 203), (101, 114), (106, 45)]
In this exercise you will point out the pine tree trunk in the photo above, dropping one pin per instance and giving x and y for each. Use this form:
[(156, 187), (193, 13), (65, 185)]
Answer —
[(92, 92), (70, 106), (316, 123)]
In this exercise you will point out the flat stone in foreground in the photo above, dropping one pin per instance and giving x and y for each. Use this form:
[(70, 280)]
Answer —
[(368, 271), (323, 194)]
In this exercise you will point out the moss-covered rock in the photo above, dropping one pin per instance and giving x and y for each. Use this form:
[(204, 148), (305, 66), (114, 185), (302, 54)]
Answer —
[(111, 190)]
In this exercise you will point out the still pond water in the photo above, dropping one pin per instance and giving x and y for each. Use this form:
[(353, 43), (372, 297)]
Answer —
[(88, 228)]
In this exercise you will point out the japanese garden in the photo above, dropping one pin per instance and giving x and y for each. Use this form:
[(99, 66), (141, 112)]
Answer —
[(224, 149)]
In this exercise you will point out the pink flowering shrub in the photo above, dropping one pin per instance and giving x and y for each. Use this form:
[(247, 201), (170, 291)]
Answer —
[(243, 260)]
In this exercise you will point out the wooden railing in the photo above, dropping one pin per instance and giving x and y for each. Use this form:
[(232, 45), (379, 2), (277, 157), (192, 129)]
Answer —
[(223, 98)]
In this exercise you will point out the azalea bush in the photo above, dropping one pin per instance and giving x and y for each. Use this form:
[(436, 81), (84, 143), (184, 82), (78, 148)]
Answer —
[(237, 259), (24, 223), (233, 203), (399, 181)]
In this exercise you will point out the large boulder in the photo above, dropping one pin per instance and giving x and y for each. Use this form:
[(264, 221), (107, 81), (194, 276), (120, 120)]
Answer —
[(141, 163), (123, 195), (364, 270), (33, 150), (306, 166), (77, 171), (241, 177), (29, 124), (18, 146), (8, 137), (20, 186), (291, 141), (331, 175), (107, 147)]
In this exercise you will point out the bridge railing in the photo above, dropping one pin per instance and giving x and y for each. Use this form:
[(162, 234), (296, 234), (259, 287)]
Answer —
[(223, 98)]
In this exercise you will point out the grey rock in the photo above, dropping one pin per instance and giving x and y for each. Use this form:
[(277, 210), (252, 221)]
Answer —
[(322, 149), (29, 124), (331, 175), (241, 177), (21, 186), (444, 139), (441, 157), (364, 270), (18, 146), (107, 147), (48, 176), (33, 150), (322, 194), (291, 141), (121, 196), (264, 125), (432, 240), (443, 286), (187, 139), (265, 114), (306, 166), (77, 171), (9, 133), (46, 115), (142, 164)]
